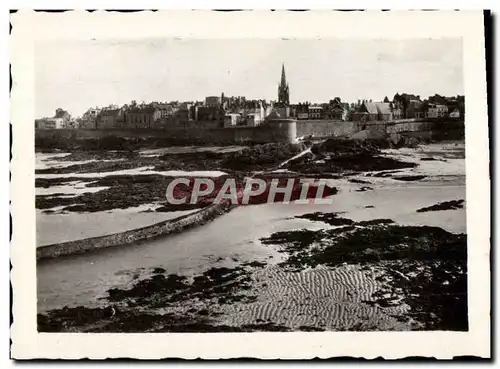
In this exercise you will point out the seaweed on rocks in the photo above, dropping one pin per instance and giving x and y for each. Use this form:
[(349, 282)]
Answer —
[(341, 155), (408, 178), (446, 205), (364, 188), (261, 157), (357, 163), (125, 191), (255, 264), (346, 147), (334, 219), (110, 320), (329, 218), (136, 309), (374, 222), (360, 181), (222, 283), (155, 287), (67, 318)]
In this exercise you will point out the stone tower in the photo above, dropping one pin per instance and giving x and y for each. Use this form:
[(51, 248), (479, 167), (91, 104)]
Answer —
[(283, 89)]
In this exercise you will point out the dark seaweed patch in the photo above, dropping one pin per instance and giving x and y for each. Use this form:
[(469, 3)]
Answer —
[(132, 310), (446, 205), (364, 188), (329, 218), (360, 181), (408, 178)]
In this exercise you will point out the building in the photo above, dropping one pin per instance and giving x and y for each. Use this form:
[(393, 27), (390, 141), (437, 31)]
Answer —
[(213, 101), (49, 123), (110, 118), (255, 117), (414, 109), (283, 89), (384, 110), (208, 113), (397, 112), (231, 120), (373, 111), (165, 110), (315, 112), (72, 124), (61, 119), (437, 111), (336, 110), (89, 118), (142, 117), (65, 116), (301, 111)]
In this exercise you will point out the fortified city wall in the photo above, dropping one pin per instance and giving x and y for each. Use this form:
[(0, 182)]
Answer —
[(279, 130)]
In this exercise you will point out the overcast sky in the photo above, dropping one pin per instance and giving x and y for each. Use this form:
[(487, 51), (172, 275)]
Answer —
[(79, 74)]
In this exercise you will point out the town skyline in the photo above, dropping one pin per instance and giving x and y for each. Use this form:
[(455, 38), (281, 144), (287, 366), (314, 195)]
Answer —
[(101, 73)]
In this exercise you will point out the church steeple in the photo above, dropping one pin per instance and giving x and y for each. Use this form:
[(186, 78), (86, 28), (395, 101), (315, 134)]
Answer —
[(283, 89)]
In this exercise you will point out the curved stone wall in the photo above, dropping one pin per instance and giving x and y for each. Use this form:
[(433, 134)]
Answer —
[(159, 229)]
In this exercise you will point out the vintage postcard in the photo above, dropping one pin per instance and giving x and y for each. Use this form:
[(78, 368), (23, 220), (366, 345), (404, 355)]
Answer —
[(204, 184)]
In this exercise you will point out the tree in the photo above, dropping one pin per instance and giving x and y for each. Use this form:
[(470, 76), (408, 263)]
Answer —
[(386, 99)]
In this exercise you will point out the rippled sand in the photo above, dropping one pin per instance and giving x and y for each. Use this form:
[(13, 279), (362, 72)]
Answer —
[(323, 298)]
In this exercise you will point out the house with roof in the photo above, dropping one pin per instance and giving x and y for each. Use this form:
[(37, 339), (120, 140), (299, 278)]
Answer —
[(384, 110), (110, 118), (49, 123), (165, 110), (336, 110), (437, 111), (373, 111), (142, 117), (414, 109), (315, 112)]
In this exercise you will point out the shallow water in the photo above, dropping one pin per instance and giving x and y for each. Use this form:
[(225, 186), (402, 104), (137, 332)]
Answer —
[(71, 226), (70, 188), (48, 161)]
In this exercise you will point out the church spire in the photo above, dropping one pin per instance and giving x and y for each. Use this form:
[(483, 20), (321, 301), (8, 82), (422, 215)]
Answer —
[(283, 89), (283, 76)]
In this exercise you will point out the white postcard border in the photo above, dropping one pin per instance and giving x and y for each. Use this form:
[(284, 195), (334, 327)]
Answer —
[(29, 26)]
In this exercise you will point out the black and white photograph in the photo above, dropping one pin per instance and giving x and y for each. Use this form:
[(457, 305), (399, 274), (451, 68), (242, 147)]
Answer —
[(249, 185)]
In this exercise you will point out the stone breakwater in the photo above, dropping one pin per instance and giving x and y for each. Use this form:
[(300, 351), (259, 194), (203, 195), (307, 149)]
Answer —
[(118, 239)]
